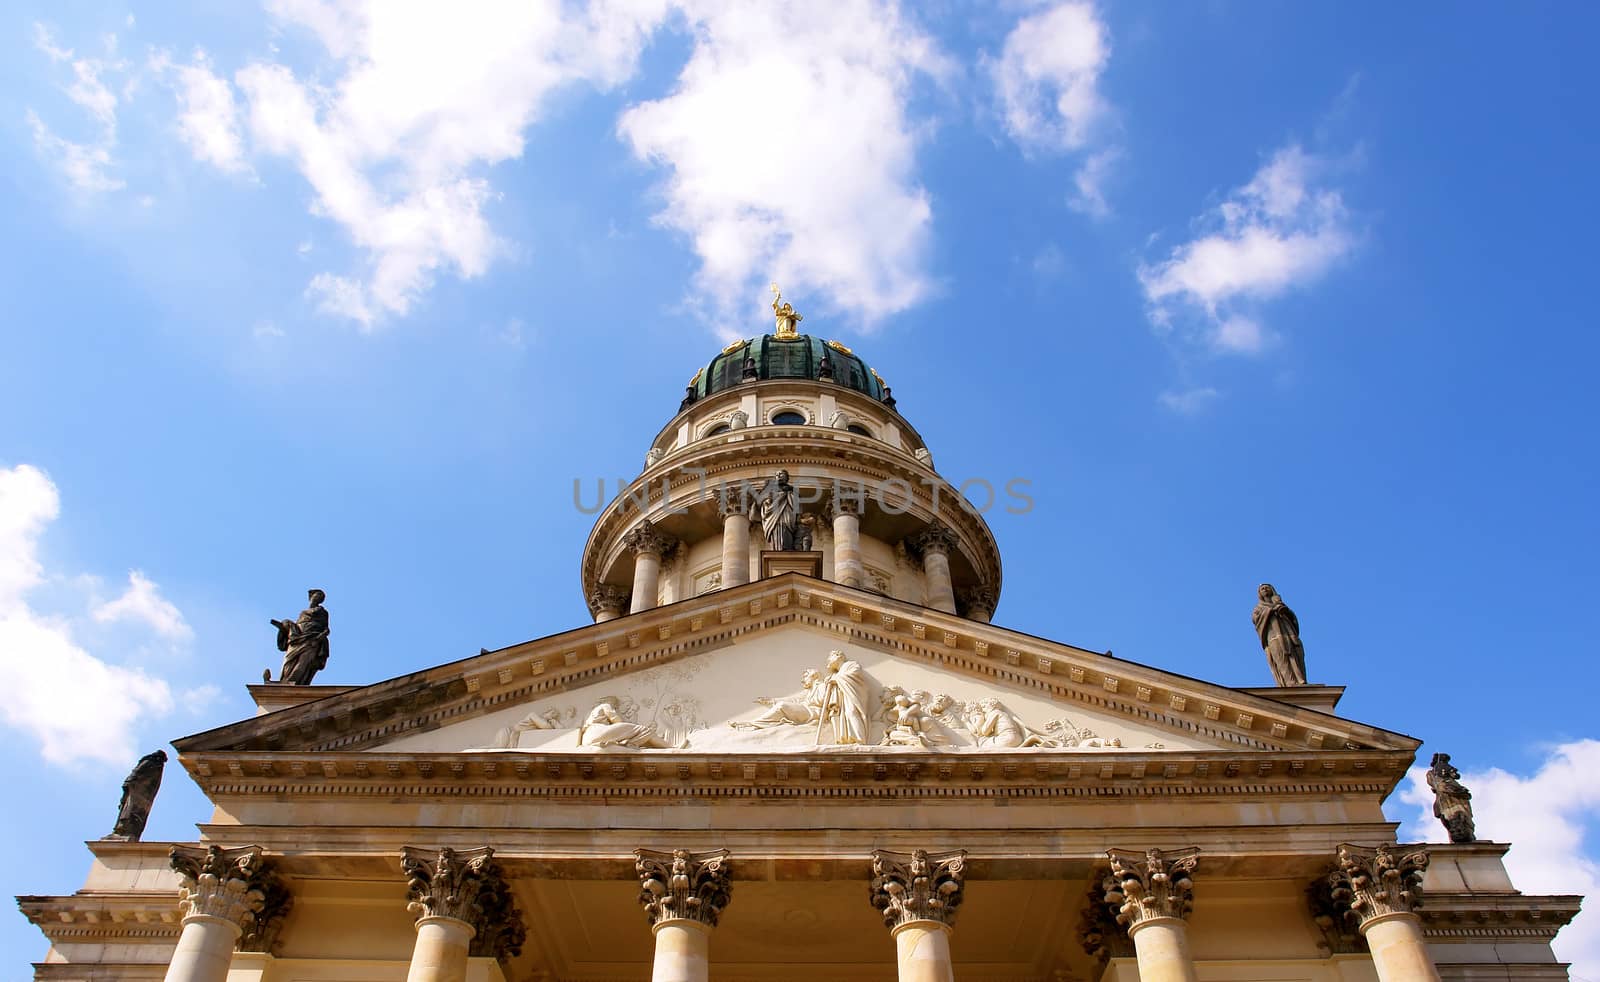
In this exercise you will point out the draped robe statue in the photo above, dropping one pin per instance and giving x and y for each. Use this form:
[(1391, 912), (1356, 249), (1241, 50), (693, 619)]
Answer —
[(789, 712), (844, 701), (777, 505), (1279, 632), (605, 727), (1452, 802), (304, 642), (138, 795)]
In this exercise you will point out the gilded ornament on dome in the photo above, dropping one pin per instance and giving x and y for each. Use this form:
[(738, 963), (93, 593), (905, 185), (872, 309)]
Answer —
[(735, 346), (836, 346), (786, 316)]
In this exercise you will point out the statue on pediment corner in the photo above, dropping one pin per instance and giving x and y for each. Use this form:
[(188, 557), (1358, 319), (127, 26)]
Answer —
[(1278, 630), (138, 796), (1452, 802), (304, 642)]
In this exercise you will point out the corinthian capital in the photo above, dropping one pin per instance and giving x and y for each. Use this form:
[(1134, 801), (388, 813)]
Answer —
[(934, 539), (607, 596), (1151, 884), (223, 883), (1372, 882), (917, 886), (683, 885), (465, 885), (648, 538)]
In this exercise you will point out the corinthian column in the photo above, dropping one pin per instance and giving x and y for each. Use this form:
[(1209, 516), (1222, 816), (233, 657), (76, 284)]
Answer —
[(735, 539), (463, 908), (222, 894), (606, 601), (683, 894), (978, 602), (847, 540), (935, 544), (1380, 888), (918, 894), (648, 544), (1151, 893)]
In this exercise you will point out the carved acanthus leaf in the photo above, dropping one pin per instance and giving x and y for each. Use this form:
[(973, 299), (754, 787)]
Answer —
[(1098, 931), (222, 883), (276, 901), (465, 885), (1372, 882), (647, 538), (607, 596), (917, 886), (683, 885), (1151, 884)]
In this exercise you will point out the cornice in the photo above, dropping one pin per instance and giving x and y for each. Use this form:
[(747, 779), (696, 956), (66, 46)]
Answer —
[(364, 718), (1475, 918), (90, 918), (668, 777)]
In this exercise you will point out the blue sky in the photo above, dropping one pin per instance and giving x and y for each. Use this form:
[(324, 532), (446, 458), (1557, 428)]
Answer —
[(312, 295)]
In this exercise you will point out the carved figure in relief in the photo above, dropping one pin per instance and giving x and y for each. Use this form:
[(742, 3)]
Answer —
[(304, 642), (508, 738), (138, 795), (909, 726), (788, 712), (1279, 632), (1452, 802), (844, 701), (605, 727), (993, 725), (777, 505)]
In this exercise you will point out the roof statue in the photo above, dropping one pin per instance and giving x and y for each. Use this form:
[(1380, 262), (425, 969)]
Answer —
[(1279, 632), (1452, 802), (304, 642), (787, 318), (138, 795)]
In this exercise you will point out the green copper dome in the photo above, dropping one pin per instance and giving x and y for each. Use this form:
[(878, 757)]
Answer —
[(773, 357)]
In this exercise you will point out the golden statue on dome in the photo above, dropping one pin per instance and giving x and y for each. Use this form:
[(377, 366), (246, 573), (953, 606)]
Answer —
[(787, 318)]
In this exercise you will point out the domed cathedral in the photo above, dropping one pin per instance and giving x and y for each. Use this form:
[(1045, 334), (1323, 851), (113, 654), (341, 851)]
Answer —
[(871, 510), (792, 745)]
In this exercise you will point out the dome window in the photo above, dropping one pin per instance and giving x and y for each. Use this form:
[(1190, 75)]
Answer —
[(858, 429), (788, 418), (720, 428)]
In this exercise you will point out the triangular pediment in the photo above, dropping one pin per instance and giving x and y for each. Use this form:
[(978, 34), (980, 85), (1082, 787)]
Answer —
[(690, 670)]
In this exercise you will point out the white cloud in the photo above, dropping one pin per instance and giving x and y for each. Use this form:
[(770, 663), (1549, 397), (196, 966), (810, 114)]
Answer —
[(424, 97), (1187, 402), (1546, 817), (208, 117), (77, 706), (86, 165), (1278, 232), (143, 602), (1088, 184), (792, 154), (1047, 76)]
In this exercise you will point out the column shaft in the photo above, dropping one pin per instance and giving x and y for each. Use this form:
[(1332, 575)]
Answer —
[(847, 549), (1162, 947), (941, 595), (922, 950), (646, 580), (607, 614), (1399, 952), (682, 951), (735, 549), (205, 950), (440, 954)]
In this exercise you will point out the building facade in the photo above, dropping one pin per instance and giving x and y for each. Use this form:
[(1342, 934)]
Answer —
[(792, 745)]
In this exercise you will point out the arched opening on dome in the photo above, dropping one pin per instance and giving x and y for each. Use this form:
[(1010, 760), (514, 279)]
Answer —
[(719, 428), (788, 418), (858, 429)]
